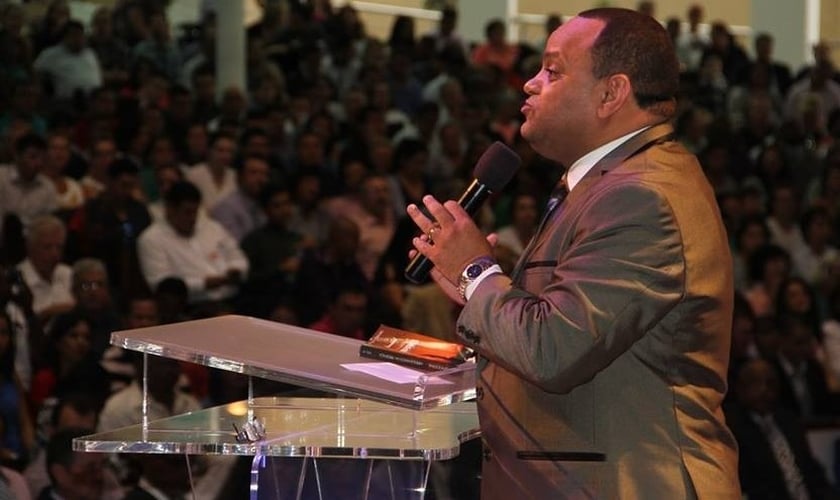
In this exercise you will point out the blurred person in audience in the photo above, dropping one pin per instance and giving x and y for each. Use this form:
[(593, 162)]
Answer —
[(108, 226), (327, 267), (16, 303), (71, 67), (45, 275), (48, 30), (743, 348), (69, 192), (272, 249), (172, 299), (92, 291), (196, 144), (112, 52), (775, 460), (69, 364), (24, 104), (779, 72), (241, 212), (205, 107), (347, 312), (495, 50), (813, 260), (724, 45), (767, 269), (196, 249), (24, 191), (409, 180), (13, 485), (165, 177), (751, 234), (818, 89), (76, 410), (799, 300), (165, 399), (103, 152), (783, 219), (693, 43), (215, 178), (803, 388), (524, 220), (768, 338), (830, 335), (73, 474), (373, 212), (824, 189), (161, 153), (446, 35), (17, 439), (159, 48)]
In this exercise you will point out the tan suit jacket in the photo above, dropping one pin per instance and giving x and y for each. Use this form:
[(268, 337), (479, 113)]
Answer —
[(604, 355)]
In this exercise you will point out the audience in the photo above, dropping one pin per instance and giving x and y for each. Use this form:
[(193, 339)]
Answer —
[(132, 194)]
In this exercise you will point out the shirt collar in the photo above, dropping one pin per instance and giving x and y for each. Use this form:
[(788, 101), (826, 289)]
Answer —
[(584, 164)]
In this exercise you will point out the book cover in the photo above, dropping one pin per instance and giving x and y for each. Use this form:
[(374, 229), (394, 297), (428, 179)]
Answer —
[(414, 349)]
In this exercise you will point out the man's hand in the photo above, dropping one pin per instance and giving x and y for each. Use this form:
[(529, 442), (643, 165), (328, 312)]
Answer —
[(457, 241)]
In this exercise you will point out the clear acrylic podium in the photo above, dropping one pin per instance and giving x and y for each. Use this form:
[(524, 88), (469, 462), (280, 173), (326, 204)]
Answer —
[(376, 439)]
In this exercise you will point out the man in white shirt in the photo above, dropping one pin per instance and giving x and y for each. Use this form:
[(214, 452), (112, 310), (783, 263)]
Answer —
[(24, 191), (49, 280), (70, 66), (195, 249), (215, 179)]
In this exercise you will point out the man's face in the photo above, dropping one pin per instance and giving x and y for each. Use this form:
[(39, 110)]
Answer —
[(253, 177), (46, 250), (758, 387), (279, 209), (376, 196), (182, 217), (82, 479), (142, 313), (124, 186), (91, 290), (102, 154), (29, 163), (222, 151), (348, 312), (563, 97)]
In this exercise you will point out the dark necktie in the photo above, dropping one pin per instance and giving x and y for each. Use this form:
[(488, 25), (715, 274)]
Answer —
[(558, 194)]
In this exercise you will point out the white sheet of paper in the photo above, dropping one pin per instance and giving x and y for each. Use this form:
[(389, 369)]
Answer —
[(393, 372)]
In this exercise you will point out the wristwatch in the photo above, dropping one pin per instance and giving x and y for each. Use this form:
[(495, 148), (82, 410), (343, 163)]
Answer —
[(471, 272)]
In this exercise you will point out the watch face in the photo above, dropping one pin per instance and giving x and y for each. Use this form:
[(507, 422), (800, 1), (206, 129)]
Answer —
[(474, 271)]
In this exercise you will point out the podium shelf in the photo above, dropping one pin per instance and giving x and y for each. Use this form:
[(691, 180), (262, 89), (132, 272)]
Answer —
[(294, 355), (301, 427)]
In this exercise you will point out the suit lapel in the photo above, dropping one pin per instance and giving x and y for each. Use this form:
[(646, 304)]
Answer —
[(636, 144)]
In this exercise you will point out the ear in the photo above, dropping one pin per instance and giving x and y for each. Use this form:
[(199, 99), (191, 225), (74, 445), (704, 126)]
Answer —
[(616, 93)]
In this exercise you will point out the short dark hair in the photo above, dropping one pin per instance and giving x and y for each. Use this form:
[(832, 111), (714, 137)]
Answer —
[(272, 190), (181, 192), (30, 141), (638, 46), (122, 166), (60, 447)]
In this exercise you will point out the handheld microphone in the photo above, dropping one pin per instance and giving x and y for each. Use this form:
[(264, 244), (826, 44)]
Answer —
[(494, 170)]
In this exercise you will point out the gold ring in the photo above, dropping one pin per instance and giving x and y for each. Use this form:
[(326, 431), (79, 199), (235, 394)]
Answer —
[(431, 234)]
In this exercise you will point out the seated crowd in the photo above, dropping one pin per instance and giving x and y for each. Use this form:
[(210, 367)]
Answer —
[(131, 196)]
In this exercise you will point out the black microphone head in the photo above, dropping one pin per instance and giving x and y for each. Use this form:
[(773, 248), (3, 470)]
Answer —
[(497, 166)]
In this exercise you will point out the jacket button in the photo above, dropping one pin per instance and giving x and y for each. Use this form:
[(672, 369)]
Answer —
[(479, 393), (487, 454)]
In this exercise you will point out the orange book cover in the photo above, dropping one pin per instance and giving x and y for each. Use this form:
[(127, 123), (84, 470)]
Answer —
[(414, 349)]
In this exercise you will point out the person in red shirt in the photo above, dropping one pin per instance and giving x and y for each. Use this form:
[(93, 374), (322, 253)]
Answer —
[(346, 313)]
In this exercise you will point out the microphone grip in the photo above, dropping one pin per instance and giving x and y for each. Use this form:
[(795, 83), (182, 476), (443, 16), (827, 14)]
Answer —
[(418, 269)]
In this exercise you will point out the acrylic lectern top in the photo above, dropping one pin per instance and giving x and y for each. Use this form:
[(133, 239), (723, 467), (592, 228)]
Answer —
[(295, 355)]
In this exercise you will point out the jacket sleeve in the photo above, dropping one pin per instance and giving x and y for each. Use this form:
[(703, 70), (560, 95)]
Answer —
[(622, 273)]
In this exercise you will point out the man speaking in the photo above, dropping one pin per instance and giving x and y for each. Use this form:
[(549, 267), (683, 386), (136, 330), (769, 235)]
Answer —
[(603, 355)]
